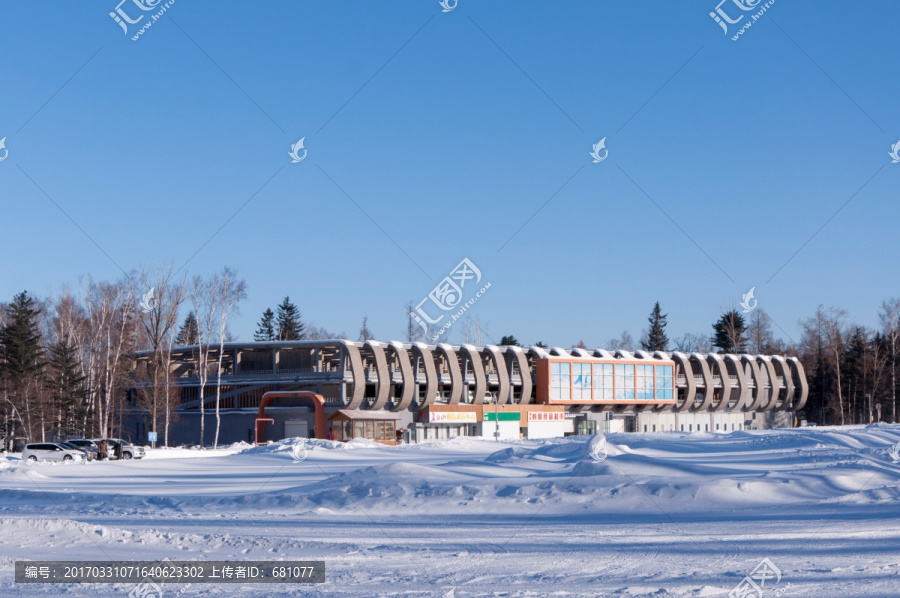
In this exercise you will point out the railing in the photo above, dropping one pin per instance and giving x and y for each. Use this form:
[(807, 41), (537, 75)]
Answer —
[(254, 372)]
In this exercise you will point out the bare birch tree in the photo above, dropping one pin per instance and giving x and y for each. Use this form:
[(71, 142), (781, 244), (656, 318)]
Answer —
[(204, 294), (111, 308), (229, 292), (833, 326), (159, 316), (890, 320)]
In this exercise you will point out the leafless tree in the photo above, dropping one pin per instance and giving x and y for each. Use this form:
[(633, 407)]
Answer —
[(228, 293), (625, 342), (760, 339), (474, 332), (204, 299), (693, 343), (320, 333), (110, 309), (833, 327), (364, 333), (413, 332), (159, 325), (890, 320)]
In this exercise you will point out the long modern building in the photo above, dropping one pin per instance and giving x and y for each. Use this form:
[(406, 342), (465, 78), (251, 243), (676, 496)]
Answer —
[(440, 391)]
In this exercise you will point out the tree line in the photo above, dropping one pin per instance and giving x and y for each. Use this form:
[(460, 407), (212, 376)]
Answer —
[(851, 369), (67, 360)]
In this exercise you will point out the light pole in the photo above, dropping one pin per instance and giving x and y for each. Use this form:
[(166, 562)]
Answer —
[(496, 422)]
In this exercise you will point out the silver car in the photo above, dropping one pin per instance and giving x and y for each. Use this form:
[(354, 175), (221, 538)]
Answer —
[(51, 451)]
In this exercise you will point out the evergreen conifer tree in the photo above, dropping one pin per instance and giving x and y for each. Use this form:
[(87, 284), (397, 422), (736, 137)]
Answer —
[(290, 327), (266, 329), (67, 389), (656, 337), (730, 333), (20, 340), (189, 333)]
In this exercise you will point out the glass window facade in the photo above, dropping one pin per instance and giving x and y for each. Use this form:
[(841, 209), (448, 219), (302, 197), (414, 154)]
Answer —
[(560, 389), (644, 382), (664, 388), (624, 382), (588, 381), (603, 382), (581, 381)]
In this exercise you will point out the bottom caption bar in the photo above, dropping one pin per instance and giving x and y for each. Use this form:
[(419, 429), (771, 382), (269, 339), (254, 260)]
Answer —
[(160, 572)]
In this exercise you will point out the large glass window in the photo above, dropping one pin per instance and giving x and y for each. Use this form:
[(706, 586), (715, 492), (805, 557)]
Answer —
[(624, 382), (664, 389), (644, 382), (581, 384), (560, 381), (603, 382)]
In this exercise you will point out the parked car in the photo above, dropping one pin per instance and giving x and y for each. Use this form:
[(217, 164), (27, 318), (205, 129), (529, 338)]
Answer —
[(89, 449), (129, 451), (51, 451)]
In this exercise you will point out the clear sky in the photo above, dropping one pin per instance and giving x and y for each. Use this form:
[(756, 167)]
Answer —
[(434, 136)]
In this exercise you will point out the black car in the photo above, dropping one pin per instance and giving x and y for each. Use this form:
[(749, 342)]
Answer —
[(89, 446)]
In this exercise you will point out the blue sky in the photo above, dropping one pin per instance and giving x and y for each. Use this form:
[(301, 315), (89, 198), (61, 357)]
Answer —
[(452, 130)]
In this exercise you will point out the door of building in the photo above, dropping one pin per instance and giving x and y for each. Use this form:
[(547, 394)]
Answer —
[(296, 429)]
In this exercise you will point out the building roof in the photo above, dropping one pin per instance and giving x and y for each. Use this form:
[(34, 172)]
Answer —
[(363, 414)]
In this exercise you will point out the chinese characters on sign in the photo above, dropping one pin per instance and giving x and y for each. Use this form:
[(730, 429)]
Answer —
[(546, 416)]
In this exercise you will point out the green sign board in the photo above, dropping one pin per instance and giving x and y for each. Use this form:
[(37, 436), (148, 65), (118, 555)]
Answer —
[(502, 416)]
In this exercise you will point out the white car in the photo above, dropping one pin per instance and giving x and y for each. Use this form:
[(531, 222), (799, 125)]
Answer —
[(50, 451)]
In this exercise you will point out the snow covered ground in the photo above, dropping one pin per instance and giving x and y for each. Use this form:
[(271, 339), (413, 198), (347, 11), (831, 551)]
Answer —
[(670, 514)]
